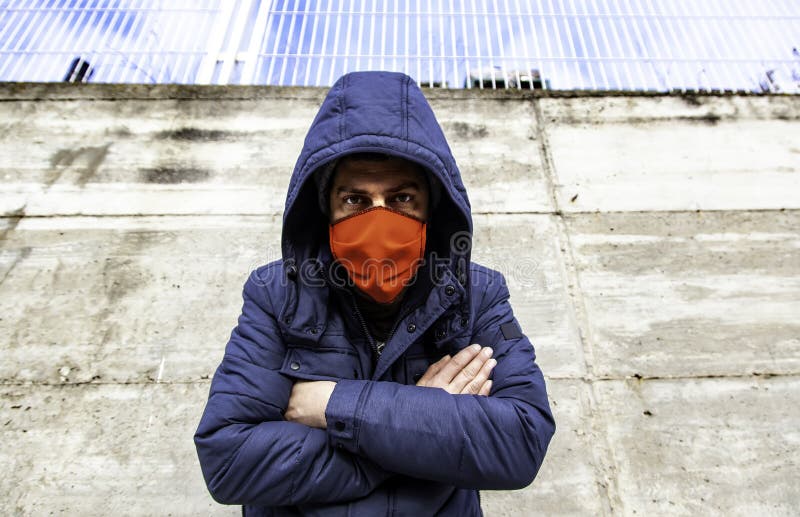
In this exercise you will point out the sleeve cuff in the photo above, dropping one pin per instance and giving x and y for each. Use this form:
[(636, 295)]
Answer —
[(343, 411)]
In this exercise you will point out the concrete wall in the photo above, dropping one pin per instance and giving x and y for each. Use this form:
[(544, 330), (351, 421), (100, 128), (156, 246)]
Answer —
[(651, 245)]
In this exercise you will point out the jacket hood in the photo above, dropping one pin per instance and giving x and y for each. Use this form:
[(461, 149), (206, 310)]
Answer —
[(382, 112)]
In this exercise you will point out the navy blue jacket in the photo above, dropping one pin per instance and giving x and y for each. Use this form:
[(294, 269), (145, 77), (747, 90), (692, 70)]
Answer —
[(391, 448)]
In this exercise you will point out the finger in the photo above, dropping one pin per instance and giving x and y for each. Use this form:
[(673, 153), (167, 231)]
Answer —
[(456, 364), (472, 370), (474, 386), (486, 389), (432, 370)]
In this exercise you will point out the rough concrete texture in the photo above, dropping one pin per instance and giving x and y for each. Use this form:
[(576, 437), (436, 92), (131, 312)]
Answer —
[(650, 243), (674, 153)]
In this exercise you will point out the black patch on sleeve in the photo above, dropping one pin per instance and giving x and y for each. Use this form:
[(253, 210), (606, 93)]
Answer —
[(511, 330)]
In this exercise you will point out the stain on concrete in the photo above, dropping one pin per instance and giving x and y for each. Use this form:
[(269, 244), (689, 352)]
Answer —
[(466, 131), (193, 134), (121, 132), (117, 278), (691, 100), (707, 118), (23, 253), (784, 115), (121, 276), (63, 159), (13, 220), (173, 175), (710, 118)]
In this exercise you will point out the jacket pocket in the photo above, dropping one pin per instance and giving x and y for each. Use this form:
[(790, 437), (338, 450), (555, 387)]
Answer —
[(320, 364)]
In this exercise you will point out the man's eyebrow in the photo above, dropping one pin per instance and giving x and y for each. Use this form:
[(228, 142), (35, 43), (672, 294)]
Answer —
[(404, 185), (353, 190)]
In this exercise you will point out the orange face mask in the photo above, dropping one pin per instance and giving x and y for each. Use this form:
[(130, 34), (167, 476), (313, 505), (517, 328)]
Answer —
[(381, 250)]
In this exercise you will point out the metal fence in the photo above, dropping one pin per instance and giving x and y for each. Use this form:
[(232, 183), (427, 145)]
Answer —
[(658, 45)]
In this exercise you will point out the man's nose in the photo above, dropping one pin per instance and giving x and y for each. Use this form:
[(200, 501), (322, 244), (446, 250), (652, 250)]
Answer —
[(379, 201)]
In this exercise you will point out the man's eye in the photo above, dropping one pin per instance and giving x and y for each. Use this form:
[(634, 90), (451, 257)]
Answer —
[(403, 198), (352, 200)]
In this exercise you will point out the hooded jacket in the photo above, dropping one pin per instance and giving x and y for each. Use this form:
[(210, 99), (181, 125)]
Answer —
[(391, 448)]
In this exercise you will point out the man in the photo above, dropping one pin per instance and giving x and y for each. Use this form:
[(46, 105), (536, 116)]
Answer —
[(357, 381)]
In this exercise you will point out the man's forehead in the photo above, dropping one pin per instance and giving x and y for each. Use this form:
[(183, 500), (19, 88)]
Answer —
[(378, 170)]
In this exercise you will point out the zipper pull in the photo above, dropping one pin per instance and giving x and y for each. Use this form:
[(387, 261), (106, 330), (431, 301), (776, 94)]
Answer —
[(379, 346)]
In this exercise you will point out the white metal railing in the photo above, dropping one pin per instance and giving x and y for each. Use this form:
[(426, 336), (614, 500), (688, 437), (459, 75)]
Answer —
[(658, 45)]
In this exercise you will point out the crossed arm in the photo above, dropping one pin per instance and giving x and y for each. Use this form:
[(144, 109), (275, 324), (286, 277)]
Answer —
[(466, 373), (263, 439)]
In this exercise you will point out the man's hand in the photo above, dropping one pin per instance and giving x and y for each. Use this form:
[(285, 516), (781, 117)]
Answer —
[(467, 372), (308, 401)]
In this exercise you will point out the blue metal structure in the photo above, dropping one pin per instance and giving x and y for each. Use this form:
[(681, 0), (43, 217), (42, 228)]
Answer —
[(656, 45)]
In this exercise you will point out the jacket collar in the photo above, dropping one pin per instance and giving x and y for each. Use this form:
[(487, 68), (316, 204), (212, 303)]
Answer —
[(435, 291)]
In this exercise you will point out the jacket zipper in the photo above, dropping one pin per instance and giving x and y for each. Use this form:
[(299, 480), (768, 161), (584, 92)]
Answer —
[(378, 347), (375, 348)]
